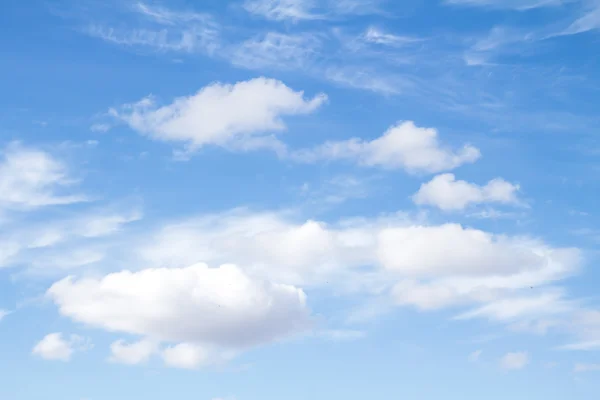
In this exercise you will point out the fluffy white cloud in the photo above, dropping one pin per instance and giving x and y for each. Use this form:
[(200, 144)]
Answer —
[(403, 146), (197, 304), (235, 116), (272, 245), (429, 267), (446, 193), (132, 353), (514, 360), (54, 347), (31, 178), (393, 258), (450, 249)]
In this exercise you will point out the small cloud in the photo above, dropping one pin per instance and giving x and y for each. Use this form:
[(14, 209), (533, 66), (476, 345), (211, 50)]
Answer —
[(3, 313), (403, 146), (133, 353), (514, 361), (449, 194), (474, 356), (586, 368), (54, 347), (100, 128), (377, 36)]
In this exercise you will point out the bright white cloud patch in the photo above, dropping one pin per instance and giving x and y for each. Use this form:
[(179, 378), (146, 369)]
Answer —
[(235, 116), (200, 305), (403, 146), (55, 347), (428, 267), (31, 178), (448, 194), (514, 360), (450, 249)]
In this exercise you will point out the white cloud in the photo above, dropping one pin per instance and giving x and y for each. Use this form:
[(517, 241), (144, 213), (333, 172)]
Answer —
[(474, 356), (189, 41), (521, 5), (168, 31), (277, 246), (280, 10), (428, 267), (3, 313), (368, 79), (580, 367), (58, 244), (276, 50), (547, 303), (100, 128), (236, 310), (166, 16), (405, 146), (590, 20), (132, 353), (298, 10), (451, 249), (589, 345), (191, 356), (514, 360), (207, 117), (31, 178), (392, 258), (54, 347), (446, 193), (376, 35)]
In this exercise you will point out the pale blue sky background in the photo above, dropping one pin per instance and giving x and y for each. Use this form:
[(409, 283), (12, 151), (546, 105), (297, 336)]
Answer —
[(350, 281)]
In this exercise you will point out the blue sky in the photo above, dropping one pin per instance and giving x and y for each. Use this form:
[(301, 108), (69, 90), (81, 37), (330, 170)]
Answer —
[(284, 199)]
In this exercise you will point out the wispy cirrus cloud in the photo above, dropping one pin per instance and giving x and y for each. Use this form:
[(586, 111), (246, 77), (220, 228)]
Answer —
[(298, 10), (275, 50), (161, 29), (520, 5), (33, 178)]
